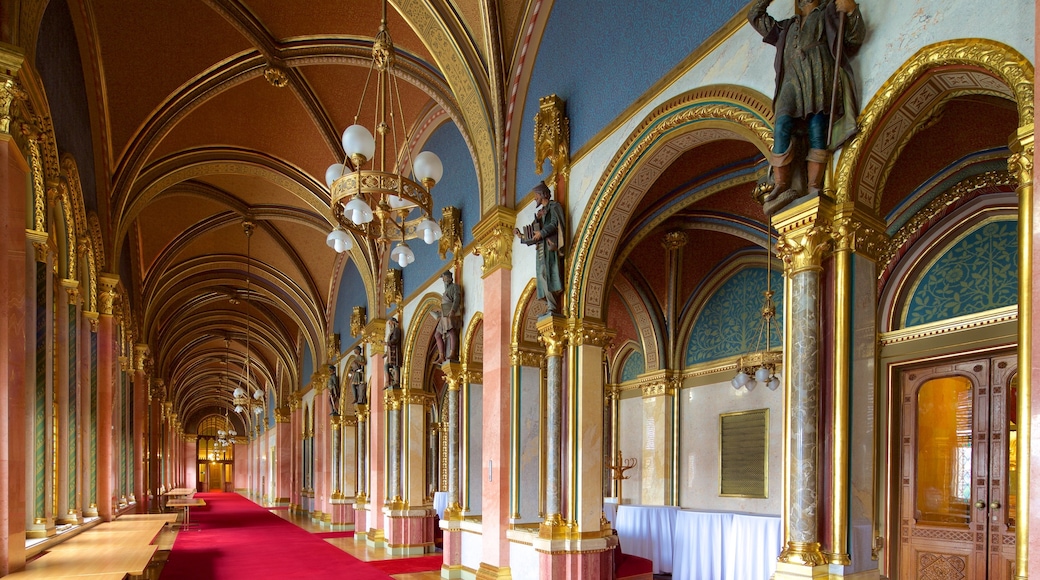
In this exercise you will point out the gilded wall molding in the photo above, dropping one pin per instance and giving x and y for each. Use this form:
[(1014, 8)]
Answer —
[(472, 343), (936, 207), (690, 120), (494, 239), (867, 154), (581, 332), (552, 137)]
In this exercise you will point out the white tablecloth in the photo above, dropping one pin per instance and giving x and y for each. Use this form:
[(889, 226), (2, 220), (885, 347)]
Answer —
[(440, 501), (647, 532), (700, 541), (753, 547)]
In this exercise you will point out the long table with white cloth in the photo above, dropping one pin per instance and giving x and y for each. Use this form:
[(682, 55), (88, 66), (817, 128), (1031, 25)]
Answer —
[(701, 545)]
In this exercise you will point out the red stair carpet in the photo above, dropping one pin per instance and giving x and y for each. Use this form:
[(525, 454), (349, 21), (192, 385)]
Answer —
[(239, 540)]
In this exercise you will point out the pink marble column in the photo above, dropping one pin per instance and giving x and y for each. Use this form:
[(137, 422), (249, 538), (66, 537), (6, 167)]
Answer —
[(13, 271), (108, 366), (294, 442), (376, 442), (283, 458), (496, 428), (140, 432), (322, 445)]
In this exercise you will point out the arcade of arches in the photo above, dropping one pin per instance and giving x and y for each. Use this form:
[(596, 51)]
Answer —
[(173, 318)]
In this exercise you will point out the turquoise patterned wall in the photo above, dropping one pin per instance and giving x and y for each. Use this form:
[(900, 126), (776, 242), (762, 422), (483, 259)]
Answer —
[(978, 272), (729, 323), (635, 365)]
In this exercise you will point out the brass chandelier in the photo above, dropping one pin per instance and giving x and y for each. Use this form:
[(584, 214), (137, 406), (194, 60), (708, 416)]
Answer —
[(377, 203), (760, 366)]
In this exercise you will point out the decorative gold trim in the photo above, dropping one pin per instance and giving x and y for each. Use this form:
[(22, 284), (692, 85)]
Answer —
[(803, 554), (451, 232), (583, 331), (966, 322), (997, 59), (804, 235), (469, 343), (393, 286), (553, 333), (937, 205), (493, 236), (109, 296), (552, 137)]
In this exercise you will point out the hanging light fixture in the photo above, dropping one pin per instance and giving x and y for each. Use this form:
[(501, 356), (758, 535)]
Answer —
[(240, 396), (225, 436), (379, 203), (760, 365)]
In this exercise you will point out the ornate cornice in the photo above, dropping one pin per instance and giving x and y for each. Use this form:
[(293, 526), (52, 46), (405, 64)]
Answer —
[(524, 358), (493, 236), (663, 382)]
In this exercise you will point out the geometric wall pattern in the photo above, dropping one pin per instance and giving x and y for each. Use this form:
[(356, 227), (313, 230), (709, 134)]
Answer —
[(978, 272), (635, 365), (730, 322)]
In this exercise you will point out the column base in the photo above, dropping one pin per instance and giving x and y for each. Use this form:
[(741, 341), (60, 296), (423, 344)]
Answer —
[(91, 512), (789, 571), (575, 559), (452, 547), (409, 531), (74, 517), (41, 528), (489, 572), (342, 515), (375, 539)]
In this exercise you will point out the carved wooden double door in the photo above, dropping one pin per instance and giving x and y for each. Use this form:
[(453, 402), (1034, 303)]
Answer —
[(957, 478)]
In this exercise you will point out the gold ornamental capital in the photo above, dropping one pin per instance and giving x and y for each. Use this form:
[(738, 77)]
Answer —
[(454, 375), (553, 333), (855, 231), (805, 234), (584, 331), (375, 335), (109, 293), (494, 239), (1022, 146)]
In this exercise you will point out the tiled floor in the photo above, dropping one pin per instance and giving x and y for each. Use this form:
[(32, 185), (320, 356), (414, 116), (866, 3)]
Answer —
[(359, 550)]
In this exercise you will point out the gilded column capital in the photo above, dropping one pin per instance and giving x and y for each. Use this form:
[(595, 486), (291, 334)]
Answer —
[(804, 234), (553, 332), (334, 421), (362, 412), (124, 363), (854, 231), (72, 289), (612, 392), (375, 334), (454, 375), (157, 391), (141, 353), (10, 90), (494, 239), (294, 401), (92, 318), (662, 382), (319, 380), (1020, 162), (357, 321), (393, 399), (109, 293), (583, 331), (282, 414)]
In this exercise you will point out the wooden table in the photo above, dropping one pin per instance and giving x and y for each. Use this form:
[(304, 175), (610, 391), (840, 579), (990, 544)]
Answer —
[(187, 504), (90, 562)]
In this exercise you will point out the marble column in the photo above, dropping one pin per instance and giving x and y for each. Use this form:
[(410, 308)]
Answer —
[(451, 524), (322, 446), (494, 235), (658, 470), (107, 368), (13, 356), (375, 537), (142, 373), (283, 467), (804, 239), (65, 297), (155, 401), (361, 498), (410, 514), (552, 331)]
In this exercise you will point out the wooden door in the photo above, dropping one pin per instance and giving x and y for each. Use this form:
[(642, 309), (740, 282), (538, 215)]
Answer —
[(216, 476), (956, 514)]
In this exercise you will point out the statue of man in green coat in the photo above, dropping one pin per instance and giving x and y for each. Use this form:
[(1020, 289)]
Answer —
[(547, 234)]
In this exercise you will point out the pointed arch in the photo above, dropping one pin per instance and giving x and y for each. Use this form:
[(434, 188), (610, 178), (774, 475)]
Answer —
[(936, 74), (417, 342), (690, 120)]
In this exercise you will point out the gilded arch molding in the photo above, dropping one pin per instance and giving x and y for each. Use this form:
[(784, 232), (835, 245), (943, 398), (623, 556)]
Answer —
[(698, 117), (472, 355), (416, 346), (934, 75)]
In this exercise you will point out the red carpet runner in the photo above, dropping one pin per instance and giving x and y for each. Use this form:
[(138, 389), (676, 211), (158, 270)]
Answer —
[(241, 540), (403, 565)]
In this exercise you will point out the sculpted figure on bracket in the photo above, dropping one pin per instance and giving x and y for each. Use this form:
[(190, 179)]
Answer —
[(815, 101)]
